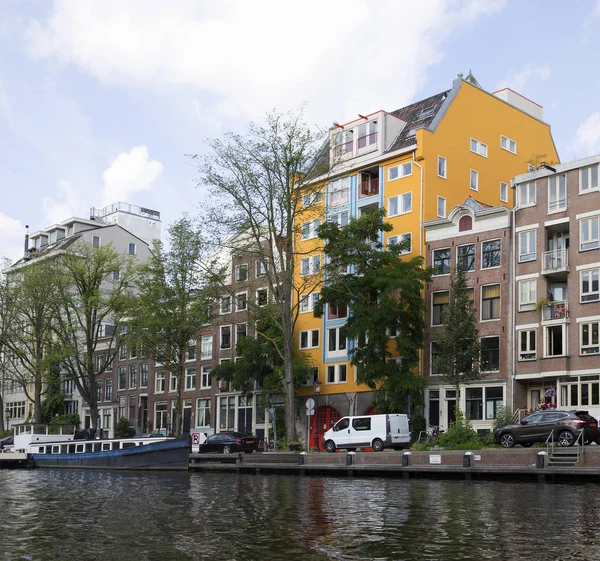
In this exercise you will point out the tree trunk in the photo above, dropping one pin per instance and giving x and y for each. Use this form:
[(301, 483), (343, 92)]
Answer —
[(290, 391)]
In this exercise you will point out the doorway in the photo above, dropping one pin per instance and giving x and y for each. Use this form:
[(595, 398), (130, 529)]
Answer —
[(320, 423)]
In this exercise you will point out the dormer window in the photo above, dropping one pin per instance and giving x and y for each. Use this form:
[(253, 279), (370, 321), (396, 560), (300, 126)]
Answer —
[(343, 143), (69, 230), (367, 135), (53, 236)]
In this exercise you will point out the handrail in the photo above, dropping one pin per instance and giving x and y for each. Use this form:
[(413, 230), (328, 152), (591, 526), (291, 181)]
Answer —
[(580, 445), (550, 446)]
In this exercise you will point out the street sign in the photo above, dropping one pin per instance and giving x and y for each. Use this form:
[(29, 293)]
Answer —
[(310, 406)]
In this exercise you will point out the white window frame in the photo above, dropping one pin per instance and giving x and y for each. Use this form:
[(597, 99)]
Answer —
[(206, 348), (529, 255), (261, 290), (312, 199), (474, 246), (339, 218), (433, 252), (442, 169), (505, 144), (206, 377), (221, 328), (526, 194), (159, 382), (310, 335), (441, 201), (588, 172), (587, 225), (593, 295), (503, 191), (310, 265), (403, 203), (261, 268), (399, 171), (499, 353), (310, 229), (94, 244), (308, 301), (132, 250), (556, 202), (206, 407), (483, 267), (524, 355), (341, 350), (238, 268), (565, 342), (478, 148), (499, 285), (340, 373), (173, 383), (592, 348), (190, 379), (225, 305), (244, 300), (192, 350), (400, 238), (527, 294), (474, 180)]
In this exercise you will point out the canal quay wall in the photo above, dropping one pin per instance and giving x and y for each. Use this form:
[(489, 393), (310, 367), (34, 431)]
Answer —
[(533, 464)]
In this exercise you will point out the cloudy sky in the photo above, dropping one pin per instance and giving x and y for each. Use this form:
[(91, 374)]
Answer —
[(101, 100)]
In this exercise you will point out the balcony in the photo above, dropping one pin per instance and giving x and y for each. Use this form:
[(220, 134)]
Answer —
[(554, 262), (556, 311), (366, 142), (368, 188), (343, 149), (339, 197)]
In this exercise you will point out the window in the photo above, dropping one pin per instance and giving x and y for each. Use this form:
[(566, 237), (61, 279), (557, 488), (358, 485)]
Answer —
[(493, 400), (123, 352), (527, 250), (367, 135), (241, 330), (132, 376), (205, 377), (173, 382), (309, 339), (108, 390), (590, 291), (341, 219), (490, 354), (261, 268), (336, 342), (312, 199), (588, 179), (337, 373), (308, 301), (474, 180), (99, 389), (441, 261), (116, 274), (241, 273), (442, 167), (479, 147), (241, 301), (490, 254), (398, 172), (160, 414), (159, 383), (95, 241), (225, 336), (441, 207), (310, 229), (122, 378), (262, 297), (313, 376), (225, 307), (310, 265), (343, 143), (527, 295), (99, 363), (339, 191), (202, 412), (206, 347), (589, 233), (474, 403), (589, 338), (465, 257), (337, 312), (131, 249), (144, 375), (527, 346), (190, 352), (490, 302), (503, 192), (557, 193), (401, 204), (403, 239), (440, 302), (526, 194), (508, 144), (555, 340)]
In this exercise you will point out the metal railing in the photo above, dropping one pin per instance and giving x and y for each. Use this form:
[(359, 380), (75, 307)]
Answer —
[(556, 310), (579, 444), (555, 260), (368, 188)]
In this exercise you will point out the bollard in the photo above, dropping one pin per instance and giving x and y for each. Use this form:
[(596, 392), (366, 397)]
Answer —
[(406, 459), (540, 459), (301, 458), (467, 459), (349, 458)]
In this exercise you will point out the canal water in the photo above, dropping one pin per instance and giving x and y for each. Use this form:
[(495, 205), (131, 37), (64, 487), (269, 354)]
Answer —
[(83, 515)]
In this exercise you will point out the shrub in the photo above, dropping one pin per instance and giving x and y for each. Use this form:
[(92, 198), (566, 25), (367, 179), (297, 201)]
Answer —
[(124, 429), (504, 416), (460, 433)]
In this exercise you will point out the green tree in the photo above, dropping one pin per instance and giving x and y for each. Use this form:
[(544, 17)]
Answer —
[(176, 292), (92, 307), (383, 293), (261, 190), (458, 343)]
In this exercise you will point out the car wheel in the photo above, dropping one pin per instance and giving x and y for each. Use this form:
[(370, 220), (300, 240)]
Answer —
[(507, 440), (377, 445), (226, 449), (527, 444), (565, 438), (330, 446)]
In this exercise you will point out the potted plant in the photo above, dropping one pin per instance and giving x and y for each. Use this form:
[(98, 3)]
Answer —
[(541, 304), (550, 397)]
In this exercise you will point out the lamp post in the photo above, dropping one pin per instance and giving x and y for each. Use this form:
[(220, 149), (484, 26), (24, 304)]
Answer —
[(7, 411), (317, 390)]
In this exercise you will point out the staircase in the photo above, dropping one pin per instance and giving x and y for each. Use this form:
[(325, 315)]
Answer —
[(563, 457)]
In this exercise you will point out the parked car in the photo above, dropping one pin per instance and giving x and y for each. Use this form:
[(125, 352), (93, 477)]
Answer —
[(228, 442), (537, 427)]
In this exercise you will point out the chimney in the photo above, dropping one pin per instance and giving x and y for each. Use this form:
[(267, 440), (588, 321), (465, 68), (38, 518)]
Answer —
[(26, 254)]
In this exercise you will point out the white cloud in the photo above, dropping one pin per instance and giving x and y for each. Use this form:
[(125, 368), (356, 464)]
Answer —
[(129, 173), (518, 80), (12, 234), (244, 57), (587, 137), (67, 202)]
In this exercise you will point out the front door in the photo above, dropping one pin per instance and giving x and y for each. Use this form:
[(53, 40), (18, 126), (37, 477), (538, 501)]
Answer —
[(450, 408), (320, 423)]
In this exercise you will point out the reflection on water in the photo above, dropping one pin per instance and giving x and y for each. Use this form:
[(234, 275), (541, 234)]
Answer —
[(47, 514)]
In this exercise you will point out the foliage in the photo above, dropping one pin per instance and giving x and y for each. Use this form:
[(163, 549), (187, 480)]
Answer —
[(176, 293), (70, 419), (504, 416), (458, 343), (54, 400), (460, 435), (417, 423), (124, 429), (385, 295), (257, 183)]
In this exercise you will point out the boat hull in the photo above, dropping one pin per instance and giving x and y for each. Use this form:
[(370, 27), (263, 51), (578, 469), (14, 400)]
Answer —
[(164, 455)]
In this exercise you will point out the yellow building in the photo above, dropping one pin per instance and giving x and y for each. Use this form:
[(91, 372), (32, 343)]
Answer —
[(418, 163)]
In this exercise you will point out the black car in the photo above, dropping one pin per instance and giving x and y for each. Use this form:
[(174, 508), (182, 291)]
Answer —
[(228, 442), (537, 427)]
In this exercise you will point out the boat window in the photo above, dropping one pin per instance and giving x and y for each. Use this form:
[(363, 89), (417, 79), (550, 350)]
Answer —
[(88, 447), (105, 446), (97, 446), (127, 445), (79, 448), (71, 448), (63, 449)]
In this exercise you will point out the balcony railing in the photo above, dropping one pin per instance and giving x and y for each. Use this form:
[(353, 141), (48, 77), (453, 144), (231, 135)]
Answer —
[(556, 260), (556, 310), (339, 197), (368, 188), (342, 149), (366, 141)]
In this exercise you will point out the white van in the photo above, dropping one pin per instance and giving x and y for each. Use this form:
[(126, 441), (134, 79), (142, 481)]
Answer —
[(375, 431)]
